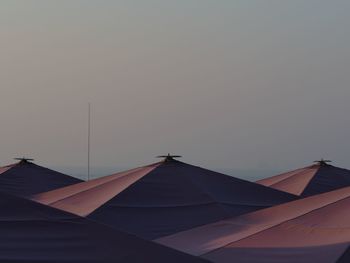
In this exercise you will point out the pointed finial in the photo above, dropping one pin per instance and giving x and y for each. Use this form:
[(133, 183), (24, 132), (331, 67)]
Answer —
[(169, 157), (323, 162), (23, 159)]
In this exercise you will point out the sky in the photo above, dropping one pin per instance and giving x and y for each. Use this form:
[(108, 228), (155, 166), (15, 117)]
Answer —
[(244, 85)]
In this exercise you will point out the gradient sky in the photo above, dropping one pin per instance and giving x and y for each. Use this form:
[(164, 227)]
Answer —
[(227, 84)]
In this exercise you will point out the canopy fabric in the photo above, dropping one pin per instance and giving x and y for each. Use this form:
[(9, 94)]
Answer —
[(25, 179), (163, 198), (311, 180), (92, 194), (31, 232), (314, 229), (345, 258)]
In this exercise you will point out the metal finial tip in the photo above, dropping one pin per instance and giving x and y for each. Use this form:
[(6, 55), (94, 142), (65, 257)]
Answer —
[(23, 159), (169, 157), (323, 162)]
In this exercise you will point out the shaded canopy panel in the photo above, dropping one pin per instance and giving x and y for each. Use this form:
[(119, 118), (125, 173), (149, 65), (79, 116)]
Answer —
[(26, 178), (314, 229), (168, 197), (31, 232), (345, 258), (311, 180)]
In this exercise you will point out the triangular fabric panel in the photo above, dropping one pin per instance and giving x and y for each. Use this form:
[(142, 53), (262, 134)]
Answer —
[(26, 179), (31, 232), (83, 198), (327, 178), (314, 229), (312, 180), (165, 198), (177, 196)]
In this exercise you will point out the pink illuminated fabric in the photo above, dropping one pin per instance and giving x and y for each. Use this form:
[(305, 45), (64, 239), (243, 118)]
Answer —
[(83, 198), (293, 182), (323, 207), (5, 168), (278, 178), (296, 183), (321, 235), (170, 197)]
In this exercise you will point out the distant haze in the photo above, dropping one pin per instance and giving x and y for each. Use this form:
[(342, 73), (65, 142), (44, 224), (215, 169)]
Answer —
[(240, 85)]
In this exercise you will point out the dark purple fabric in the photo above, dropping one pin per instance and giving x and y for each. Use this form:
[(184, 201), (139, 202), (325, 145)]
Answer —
[(31, 232), (345, 258), (26, 179), (327, 178), (176, 196)]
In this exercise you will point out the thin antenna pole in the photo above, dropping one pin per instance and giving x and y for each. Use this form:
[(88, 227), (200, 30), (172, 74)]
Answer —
[(89, 136)]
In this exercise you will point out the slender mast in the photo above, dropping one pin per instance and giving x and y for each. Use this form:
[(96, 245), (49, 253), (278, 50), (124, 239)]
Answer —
[(89, 135)]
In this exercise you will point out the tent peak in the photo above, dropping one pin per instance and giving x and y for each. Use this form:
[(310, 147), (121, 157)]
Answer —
[(169, 157), (322, 162), (23, 160)]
